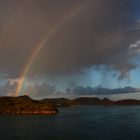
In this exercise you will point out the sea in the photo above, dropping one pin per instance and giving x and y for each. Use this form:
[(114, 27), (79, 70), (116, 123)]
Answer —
[(75, 123)]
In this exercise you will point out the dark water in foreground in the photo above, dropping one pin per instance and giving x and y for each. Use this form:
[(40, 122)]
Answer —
[(79, 123)]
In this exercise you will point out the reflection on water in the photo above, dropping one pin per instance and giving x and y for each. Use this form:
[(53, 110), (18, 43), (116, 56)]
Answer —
[(79, 123)]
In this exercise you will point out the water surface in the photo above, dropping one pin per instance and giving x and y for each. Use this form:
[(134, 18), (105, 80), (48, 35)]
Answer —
[(78, 123)]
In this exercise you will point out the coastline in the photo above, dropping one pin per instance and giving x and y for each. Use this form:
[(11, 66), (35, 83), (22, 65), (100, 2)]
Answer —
[(24, 105)]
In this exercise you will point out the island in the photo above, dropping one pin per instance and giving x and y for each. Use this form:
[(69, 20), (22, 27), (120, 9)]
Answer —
[(25, 105), (28, 106)]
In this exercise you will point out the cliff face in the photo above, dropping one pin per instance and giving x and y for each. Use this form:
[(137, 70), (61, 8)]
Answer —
[(25, 105)]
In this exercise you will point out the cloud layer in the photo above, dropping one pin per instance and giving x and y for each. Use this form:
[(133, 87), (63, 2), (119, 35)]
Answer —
[(101, 35), (105, 34), (44, 90)]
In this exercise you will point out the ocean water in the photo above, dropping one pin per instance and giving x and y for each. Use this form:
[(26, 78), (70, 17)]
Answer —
[(77, 123)]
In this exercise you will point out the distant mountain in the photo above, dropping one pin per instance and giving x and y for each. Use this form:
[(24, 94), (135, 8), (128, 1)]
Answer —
[(63, 102), (59, 102), (128, 102)]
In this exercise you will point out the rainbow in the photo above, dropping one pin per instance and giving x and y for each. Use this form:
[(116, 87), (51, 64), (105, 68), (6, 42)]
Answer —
[(37, 49)]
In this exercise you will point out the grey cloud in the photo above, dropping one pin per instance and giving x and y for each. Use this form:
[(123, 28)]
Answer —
[(97, 36), (8, 88), (100, 90), (23, 24), (40, 90), (44, 90), (35, 90)]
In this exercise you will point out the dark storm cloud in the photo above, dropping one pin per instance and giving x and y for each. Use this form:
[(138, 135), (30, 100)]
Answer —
[(22, 26), (98, 35), (44, 90), (79, 90)]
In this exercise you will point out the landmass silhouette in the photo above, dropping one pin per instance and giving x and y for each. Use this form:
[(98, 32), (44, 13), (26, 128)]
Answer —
[(26, 105)]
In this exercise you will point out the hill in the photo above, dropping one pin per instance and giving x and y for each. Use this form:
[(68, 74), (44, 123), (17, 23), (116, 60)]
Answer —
[(25, 105), (63, 102)]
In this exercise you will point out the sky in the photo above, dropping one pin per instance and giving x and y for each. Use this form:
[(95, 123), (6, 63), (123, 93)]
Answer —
[(70, 48)]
